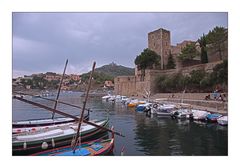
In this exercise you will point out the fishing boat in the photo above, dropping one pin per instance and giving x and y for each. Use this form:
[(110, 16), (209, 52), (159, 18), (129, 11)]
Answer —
[(91, 148), (223, 120), (33, 127), (29, 143), (44, 122), (213, 117)]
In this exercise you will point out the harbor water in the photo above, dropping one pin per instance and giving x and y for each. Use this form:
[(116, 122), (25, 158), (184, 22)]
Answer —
[(144, 135)]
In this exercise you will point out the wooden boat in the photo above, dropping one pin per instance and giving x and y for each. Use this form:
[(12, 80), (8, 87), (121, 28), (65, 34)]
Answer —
[(92, 148), (29, 143), (44, 122), (213, 117), (223, 120)]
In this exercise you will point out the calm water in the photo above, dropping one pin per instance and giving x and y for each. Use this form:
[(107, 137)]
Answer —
[(144, 135)]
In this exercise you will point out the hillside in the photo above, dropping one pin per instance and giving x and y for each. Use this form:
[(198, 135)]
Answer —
[(108, 72)]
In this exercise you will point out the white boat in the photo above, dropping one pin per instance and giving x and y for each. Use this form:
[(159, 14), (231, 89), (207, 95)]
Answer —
[(159, 108), (199, 114), (223, 120), (181, 113), (105, 98), (124, 99)]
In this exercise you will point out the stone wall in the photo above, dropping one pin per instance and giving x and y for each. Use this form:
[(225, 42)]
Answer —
[(159, 41), (125, 85)]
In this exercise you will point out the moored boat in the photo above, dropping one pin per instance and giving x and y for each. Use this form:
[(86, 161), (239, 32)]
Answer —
[(213, 117), (44, 122), (92, 148), (142, 107), (199, 114), (223, 120), (29, 143)]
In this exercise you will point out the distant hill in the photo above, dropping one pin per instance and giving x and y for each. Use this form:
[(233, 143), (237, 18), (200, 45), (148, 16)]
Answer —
[(108, 72)]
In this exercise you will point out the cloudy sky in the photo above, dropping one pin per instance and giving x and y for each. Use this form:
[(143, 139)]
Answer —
[(43, 41)]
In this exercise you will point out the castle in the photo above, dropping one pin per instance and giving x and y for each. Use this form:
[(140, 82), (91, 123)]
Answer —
[(160, 42)]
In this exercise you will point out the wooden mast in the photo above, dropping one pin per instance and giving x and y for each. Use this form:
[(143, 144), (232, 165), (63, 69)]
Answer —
[(59, 88), (84, 105)]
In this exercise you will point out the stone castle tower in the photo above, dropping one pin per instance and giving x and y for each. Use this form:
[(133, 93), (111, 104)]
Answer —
[(159, 41)]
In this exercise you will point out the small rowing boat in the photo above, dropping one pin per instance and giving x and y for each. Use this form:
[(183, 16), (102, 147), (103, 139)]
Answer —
[(92, 148)]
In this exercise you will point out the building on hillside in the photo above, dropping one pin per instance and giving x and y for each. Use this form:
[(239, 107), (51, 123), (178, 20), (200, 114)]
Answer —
[(108, 84), (75, 77)]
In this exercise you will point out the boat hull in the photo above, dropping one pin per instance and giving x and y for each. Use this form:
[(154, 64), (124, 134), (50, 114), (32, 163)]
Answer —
[(44, 122), (29, 147)]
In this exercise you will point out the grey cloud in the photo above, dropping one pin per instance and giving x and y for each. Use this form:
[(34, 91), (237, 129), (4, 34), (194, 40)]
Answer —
[(43, 41)]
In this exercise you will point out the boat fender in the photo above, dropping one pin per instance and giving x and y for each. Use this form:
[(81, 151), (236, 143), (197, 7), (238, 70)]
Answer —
[(33, 129), (25, 145), (44, 145), (155, 106), (53, 143)]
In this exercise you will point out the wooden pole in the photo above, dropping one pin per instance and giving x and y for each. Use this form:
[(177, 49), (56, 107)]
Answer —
[(84, 105), (59, 88)]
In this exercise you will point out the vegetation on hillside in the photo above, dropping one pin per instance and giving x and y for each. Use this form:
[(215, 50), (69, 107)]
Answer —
[(171, 63), (203, 44), (108, 72), (188, 53), (196, 81)]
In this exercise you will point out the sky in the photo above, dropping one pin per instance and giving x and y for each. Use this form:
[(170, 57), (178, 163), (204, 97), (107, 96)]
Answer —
[(43, 41)]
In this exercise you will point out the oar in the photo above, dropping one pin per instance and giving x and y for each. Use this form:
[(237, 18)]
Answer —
[(63, 114), (59, 101), (59, 88)]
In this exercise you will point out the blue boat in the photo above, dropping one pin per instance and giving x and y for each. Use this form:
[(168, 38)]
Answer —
[(213, 117)]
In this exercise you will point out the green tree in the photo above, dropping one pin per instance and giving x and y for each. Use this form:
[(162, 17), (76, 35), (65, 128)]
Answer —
[(188, 53), (203, 45), (171, 63), (147, 59), (216, 37), (220, 73)]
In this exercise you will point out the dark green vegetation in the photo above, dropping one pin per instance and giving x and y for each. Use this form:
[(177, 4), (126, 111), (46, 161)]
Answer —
[(189, 52), (40, 83), (171, 63), (108, 72), (147, 59), (196, 81), (203, 44), (213, 40)]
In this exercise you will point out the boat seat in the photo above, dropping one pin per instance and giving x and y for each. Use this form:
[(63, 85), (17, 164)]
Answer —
[(96, 147)]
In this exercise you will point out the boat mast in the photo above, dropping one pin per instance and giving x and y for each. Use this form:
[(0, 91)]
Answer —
[(59, 88), (84, 105)]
